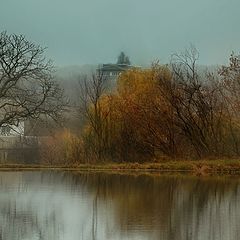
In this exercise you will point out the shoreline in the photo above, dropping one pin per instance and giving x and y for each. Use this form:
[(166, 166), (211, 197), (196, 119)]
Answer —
[(197, 167)]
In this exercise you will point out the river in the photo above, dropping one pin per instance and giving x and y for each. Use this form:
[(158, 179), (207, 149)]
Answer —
[(61, 205)]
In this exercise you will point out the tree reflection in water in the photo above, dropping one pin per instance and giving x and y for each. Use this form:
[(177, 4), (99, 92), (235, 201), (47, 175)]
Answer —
[(70, 205)]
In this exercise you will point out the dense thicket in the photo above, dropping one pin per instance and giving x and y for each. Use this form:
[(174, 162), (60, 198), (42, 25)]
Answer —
[(169, 110)]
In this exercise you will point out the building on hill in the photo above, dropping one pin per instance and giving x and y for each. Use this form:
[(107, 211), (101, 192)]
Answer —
[(112, 70)]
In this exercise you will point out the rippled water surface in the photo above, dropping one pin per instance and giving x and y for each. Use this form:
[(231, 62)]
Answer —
[(75, 206)]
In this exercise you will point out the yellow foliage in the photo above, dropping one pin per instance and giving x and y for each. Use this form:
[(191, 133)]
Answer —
[(62, 148)]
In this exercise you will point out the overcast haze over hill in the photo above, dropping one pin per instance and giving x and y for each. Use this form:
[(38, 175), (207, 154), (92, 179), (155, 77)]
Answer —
[(95, 31)]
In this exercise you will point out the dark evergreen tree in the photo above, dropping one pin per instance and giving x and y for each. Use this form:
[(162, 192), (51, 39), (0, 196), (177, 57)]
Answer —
[(123, 59)]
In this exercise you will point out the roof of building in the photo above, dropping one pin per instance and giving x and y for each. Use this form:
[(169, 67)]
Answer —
[(115, 67)]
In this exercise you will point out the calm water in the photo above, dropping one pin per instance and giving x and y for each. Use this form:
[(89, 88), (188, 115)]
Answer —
[(74, 206)]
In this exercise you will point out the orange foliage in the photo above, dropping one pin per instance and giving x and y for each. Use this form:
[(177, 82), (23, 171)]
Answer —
[(62, 148)]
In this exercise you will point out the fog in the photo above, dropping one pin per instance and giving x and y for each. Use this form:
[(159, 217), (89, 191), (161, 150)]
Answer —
[(80, 32)]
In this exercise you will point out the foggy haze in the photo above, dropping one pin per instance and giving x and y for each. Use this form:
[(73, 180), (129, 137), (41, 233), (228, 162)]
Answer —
[(95, 31)]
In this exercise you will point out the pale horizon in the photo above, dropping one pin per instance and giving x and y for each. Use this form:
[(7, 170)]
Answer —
[(93, 32)]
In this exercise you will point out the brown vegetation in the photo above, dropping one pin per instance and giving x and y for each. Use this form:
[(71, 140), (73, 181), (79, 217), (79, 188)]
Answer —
[(168, 111)]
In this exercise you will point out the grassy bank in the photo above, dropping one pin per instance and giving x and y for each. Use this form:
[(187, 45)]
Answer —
[(197, 167)]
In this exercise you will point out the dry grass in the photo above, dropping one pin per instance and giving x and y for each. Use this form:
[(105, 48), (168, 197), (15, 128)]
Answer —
[(203, 167)]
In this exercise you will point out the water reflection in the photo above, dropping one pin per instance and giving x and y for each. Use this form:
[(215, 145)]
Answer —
[(69, 206)]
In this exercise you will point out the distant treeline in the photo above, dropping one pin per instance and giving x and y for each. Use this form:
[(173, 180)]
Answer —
[(174, 111)]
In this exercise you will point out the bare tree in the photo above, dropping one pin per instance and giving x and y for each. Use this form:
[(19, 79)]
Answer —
[(91, 91), (197, 104), (230, 76), (27, 89)]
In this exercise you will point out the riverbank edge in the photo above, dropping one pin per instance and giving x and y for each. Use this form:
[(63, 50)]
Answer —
[(198, 167)]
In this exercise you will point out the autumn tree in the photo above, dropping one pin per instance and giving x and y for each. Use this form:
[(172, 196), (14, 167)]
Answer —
[(148, 114)]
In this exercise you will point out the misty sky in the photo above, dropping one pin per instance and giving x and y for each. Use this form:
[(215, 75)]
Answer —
[(95, 31)]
